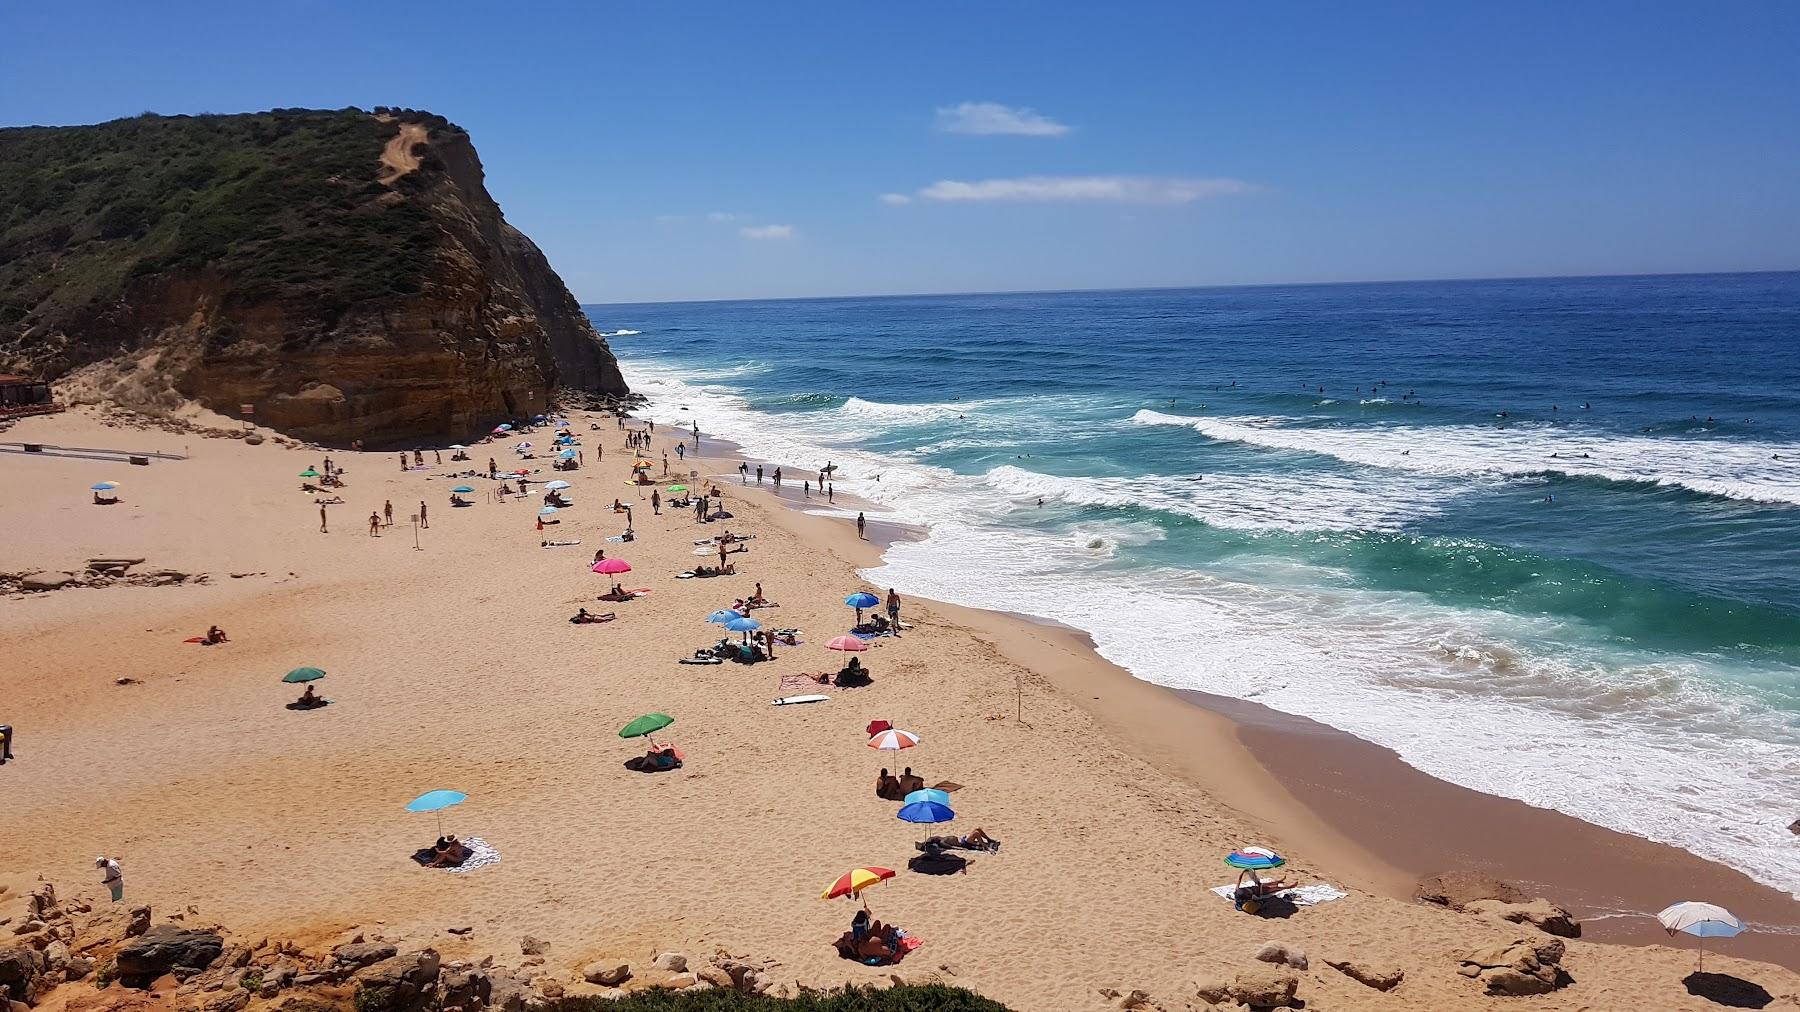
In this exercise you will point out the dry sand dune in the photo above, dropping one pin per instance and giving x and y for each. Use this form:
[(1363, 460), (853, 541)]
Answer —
[(453, 666)]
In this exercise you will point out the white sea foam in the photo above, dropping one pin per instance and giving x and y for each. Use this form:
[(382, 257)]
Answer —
[(1739, 469), (620, 333), (1638, 744)]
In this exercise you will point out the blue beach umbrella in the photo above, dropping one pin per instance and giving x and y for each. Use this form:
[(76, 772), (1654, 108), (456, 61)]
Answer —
[(722, 616), (547, 511), (925, 812), (930, 794), (1254, 859), (104, 486), (860, 600), (436, 801), (463, 489), (567, 455), (744, 625)]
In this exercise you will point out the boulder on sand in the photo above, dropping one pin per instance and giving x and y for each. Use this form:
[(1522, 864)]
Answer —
[(164, 949), (1266, 988), (1519, 967), (1282, 953), (18, 968), (1457, 889), (361, 954), (400, 984), (1539, 913), (1381, 978), (607, 972)]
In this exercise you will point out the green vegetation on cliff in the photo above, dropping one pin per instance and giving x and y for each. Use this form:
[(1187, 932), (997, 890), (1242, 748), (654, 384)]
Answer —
[(283, 204)]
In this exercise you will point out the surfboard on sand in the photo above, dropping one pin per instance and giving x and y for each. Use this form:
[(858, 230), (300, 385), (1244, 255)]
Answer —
[(791, 700)]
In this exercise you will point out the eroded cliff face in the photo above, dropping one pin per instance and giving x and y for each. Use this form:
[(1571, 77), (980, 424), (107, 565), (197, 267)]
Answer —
[(453, 319)]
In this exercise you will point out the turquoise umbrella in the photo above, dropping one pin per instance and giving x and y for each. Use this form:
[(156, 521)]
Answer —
[(929, 794), (463, 488), (436, 801)]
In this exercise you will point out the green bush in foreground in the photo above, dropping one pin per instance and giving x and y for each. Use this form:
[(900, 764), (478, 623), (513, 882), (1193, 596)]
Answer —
[(930, 998)]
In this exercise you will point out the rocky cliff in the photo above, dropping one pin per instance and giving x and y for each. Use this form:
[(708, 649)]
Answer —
[(345, 272)]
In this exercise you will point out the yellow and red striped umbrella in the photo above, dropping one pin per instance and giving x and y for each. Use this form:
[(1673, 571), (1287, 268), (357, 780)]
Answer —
[(854, 881)]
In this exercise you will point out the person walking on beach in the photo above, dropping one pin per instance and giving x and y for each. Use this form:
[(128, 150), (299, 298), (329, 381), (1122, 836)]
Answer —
[(806, 488), (437, 456), (743, 473), (374, 524), (665, 463), (778, 479), (424, 521), (830, 493), (656, 501), (893, 610), (403, 462), (322, 529), (493, 468), (681, 451), (328, 466), (759, 474), (721, 555), (387, 510), (859, 526), (6, 743), (111, 876)]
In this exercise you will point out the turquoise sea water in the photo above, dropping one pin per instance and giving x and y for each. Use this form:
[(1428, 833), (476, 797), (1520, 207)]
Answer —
[(1541, 537)]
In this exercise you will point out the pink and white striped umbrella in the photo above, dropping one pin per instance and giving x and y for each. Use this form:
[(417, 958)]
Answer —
[(893, 740)]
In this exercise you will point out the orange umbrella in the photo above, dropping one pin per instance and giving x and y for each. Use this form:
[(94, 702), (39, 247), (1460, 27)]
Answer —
[(854, 881)]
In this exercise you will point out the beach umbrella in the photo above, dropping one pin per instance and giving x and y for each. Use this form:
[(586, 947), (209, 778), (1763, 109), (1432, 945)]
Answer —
[(745, 625), (854, 881), (722, 616), (558, 485), (645, 726), (567, 455), (537, 418), (860, 600), (457, 446), (309, 473), (104, 486), (463, 488), (547, 511), (932, 795), (523, 446), (925, 813), (1254, 859), (1702, 920), (678, 488), (611, 567), (848, 643), (503, 427), (299, 675), (436, 801), (893, 740), (641, 462)]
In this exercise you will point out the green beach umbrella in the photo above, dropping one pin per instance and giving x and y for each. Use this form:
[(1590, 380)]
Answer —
[(645, 726), (678, 488), (309, 473), (303, 675)]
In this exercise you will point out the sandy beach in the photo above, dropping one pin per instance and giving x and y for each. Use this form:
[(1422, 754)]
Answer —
[(452, 665)]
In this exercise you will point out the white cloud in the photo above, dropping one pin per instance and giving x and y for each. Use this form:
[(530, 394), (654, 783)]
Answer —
[(1065, 189), (768, 232), (722, 216), (994, 118), (895, 198)]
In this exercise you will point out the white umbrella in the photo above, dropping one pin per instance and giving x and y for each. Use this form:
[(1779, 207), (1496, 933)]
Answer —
[(557, 486), (523, 446), (1702, 920)]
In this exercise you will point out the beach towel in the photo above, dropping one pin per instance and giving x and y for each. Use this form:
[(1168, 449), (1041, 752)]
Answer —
[(195, 639), (481, 854), (799, 683), (558, 544), (1300, 896), (700, 660), (320, 705)]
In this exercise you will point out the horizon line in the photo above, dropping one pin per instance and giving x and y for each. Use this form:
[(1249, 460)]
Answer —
[(1182, 288)]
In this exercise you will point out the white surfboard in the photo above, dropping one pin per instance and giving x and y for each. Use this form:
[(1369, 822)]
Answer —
[(791, 700)]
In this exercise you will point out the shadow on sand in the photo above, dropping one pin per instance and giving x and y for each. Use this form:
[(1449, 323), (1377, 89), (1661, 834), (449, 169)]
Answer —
[(1724, 989)]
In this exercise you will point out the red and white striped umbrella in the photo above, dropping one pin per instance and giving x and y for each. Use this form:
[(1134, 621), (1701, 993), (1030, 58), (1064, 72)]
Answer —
[(893, 740)]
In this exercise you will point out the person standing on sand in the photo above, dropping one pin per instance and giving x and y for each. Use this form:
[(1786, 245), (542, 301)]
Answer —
[(681, 451), (656, 499), (493, 468), (322, 529), (778, 479), (859, 526), (403, 462), (6, 743), (759, 474), (387, 510), (893, 610), (327, 465), (374, 525), (424, 521), (111, 876), (665, 463), (437, 456), (830, 493), (743, 473), (721, 555), (806, 487)]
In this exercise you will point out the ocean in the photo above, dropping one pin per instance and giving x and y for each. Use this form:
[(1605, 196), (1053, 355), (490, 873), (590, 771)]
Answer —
[(1540, 537)]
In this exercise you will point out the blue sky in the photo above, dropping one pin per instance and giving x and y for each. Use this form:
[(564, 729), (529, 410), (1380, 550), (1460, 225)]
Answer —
[(738, 149)]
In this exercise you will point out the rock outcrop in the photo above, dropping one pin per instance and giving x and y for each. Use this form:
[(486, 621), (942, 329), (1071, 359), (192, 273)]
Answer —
[(1519, 967), (1539, 913), (353, 279)]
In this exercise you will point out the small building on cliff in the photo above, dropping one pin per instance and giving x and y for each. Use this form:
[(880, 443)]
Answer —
[(22, 395)]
